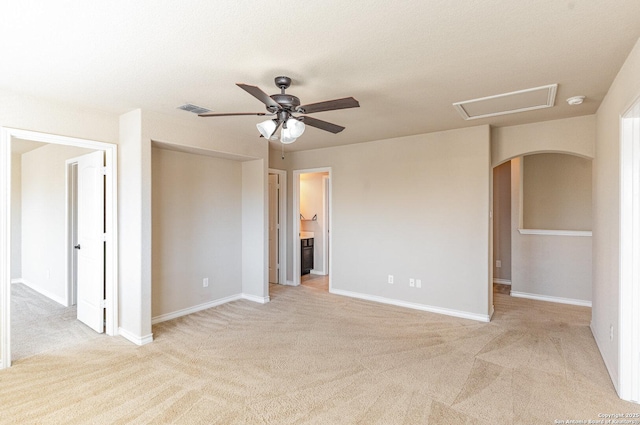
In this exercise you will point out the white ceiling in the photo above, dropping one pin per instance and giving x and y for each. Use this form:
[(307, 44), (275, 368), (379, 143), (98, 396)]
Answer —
[(405, 61)]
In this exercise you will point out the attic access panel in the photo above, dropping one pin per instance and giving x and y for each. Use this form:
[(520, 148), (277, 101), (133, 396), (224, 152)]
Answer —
[(508, 103)]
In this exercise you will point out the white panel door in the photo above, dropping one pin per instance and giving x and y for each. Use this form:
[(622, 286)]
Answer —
[(274, 234), (91, 243)]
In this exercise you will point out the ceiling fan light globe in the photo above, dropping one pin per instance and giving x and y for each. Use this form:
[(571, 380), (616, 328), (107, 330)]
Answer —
[(287, 135), (295, 128), (286, 138), (266, 128)]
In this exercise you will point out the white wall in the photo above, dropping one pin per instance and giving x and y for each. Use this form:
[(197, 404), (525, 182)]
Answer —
[(255, 231), (43, 219), (606, 210), (134, 295), (414, 207), (197, 230), (569, 135), (556, 192), (24, 112), (16, 216)]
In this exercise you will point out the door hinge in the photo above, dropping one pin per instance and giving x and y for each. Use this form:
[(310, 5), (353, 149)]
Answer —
[(103, 303), (104, 171), (104, 237)]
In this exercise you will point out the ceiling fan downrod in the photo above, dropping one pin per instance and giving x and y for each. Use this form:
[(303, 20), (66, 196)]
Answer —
[(282, 83)]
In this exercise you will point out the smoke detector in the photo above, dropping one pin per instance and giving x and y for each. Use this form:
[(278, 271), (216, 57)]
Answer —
[(575, 100)]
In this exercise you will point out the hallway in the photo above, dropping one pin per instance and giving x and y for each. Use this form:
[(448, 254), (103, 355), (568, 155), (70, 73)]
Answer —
[(315, 281)]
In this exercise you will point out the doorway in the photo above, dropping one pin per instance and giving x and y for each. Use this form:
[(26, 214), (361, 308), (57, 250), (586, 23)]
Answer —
[(502, 226), (7, 136), (542, 228), (311, 220), (629, 335)]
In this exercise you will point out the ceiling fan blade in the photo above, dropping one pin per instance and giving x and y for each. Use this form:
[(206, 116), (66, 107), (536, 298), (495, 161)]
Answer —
[(322, 125), (213, 114), (259, 94), (330, 105)]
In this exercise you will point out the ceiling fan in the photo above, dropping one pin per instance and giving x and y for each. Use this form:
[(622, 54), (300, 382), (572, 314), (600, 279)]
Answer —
[(282, 106)]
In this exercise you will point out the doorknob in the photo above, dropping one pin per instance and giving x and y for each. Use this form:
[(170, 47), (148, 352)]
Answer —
[(77, 246)]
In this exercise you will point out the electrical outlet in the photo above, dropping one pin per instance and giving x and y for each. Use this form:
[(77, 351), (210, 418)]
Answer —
[(205, 282), (412, 282), (390, 279), (611, 333), (498, 263), (418, 283)]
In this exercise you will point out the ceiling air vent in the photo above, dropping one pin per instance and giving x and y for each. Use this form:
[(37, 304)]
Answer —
[(508, 103), (193, 108)]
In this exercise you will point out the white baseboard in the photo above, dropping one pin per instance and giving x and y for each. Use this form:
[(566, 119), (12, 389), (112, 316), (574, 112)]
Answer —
[(415, 306), (548, 298), (290, 283), (138, 340), (613, 373), (41, 291), (204, 306), (502, 281), (255, 299), (318, 272), (194, 309)]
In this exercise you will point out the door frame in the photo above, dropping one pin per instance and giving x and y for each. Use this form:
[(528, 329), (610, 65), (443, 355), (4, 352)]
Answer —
[(629, 295), (71, 209), (111, 216), (295, 221), (326, 197), (282, 220)]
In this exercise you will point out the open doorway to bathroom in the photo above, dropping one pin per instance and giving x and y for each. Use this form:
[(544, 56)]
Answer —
[(312, 221)]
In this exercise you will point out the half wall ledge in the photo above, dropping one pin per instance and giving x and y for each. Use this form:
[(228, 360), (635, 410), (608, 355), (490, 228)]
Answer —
[(543, 232)]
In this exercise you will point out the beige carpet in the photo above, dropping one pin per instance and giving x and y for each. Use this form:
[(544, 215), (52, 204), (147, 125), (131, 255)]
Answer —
[(312, 357), (39, 324)]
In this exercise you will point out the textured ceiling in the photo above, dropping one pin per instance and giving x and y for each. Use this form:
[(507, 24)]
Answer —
[(405, 61)]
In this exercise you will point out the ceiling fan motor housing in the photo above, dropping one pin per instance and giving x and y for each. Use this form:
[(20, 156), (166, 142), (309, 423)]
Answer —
[(287, 100)]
